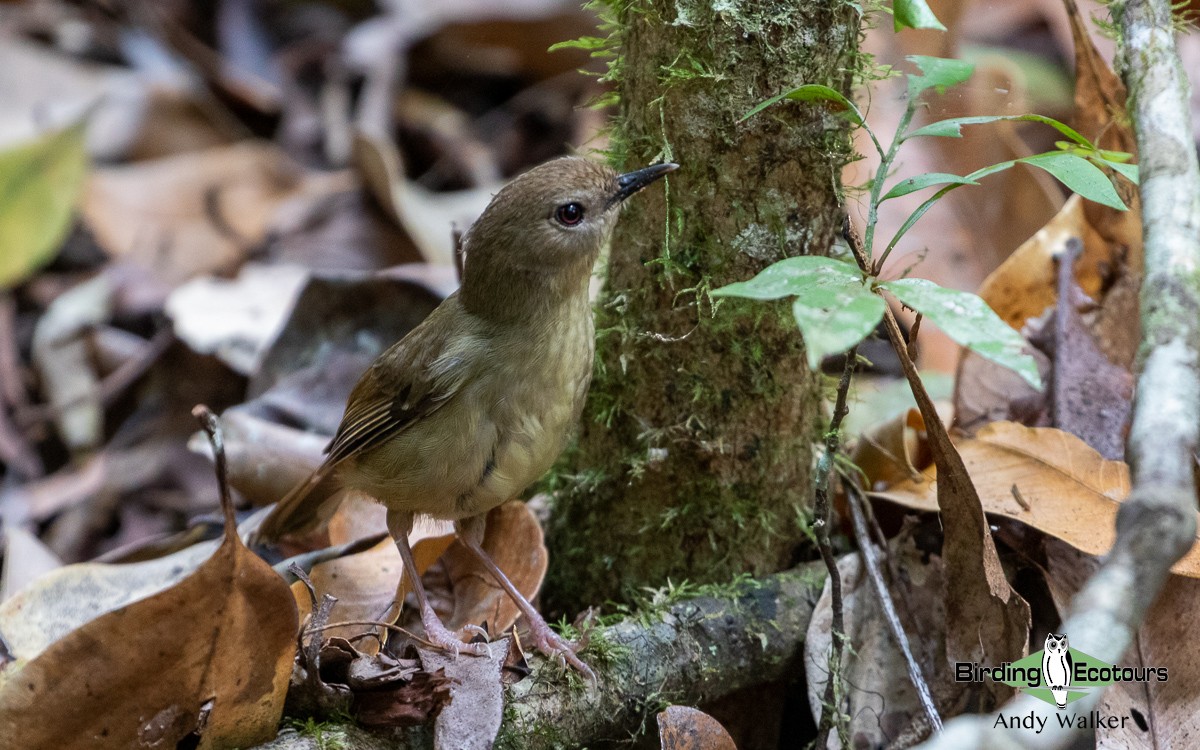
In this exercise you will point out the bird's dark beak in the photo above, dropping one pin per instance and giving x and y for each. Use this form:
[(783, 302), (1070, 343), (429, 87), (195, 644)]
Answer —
[(631, 182)]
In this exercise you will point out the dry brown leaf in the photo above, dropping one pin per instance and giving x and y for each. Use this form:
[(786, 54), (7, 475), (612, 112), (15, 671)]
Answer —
[(684, 728), (1092, 397), (211, 655), (1024, 286), (464, 593), (1100, 115), (195, 213), (366, 584), (887, 453), (1072, 492)]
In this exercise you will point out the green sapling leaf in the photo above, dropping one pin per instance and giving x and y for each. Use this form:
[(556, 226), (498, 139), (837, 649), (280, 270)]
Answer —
[(40, 185), (968, 320), (914, 14), (1128, 171), (1080, 175), (922, 181), (833, 308), (952, 128), (937, 73)]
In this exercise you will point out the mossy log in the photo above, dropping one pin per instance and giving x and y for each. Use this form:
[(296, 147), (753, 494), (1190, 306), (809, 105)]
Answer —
[(688, 652)]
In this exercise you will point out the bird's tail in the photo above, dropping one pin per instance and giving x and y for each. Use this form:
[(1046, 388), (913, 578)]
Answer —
[(305, 507), (1060, 696)]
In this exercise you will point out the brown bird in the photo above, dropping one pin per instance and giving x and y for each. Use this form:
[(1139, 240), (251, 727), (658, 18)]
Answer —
[(478, 401)]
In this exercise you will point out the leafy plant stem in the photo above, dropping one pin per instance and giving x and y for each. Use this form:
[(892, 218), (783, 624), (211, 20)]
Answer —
[(885, 166)]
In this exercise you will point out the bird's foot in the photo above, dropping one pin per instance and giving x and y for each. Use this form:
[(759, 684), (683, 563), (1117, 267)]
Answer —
[(558, 648), (447, 640)]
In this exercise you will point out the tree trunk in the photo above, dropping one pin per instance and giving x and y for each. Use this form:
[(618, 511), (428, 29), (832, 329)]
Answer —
[(694, 455)]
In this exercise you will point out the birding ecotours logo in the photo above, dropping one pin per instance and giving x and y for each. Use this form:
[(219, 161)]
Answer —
[(1058, 674)]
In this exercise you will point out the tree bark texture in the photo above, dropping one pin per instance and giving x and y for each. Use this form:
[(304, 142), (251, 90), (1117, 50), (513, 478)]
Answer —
[(695, 450)]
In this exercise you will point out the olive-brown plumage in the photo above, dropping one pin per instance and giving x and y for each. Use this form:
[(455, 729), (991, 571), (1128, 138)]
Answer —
[(478, 401)]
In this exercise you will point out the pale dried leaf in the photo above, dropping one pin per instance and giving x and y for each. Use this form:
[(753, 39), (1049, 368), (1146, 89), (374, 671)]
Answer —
[(26, 559), (429, 219), (472, 720), (1073, 493), (237, 319), (195, 213)]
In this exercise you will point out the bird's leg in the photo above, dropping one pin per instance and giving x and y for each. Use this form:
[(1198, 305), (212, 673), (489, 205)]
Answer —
[(400, 524), (470, 533)]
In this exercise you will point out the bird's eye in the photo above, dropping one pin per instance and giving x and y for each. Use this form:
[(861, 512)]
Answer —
[(569, 214)]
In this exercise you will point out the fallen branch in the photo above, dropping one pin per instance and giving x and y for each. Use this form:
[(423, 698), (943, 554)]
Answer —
[(689, 652), (1156, 524)]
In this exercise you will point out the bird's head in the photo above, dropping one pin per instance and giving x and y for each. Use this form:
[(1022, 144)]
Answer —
[(546, 228)]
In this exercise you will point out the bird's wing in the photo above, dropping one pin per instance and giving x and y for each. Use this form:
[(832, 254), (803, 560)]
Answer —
[(408, 382)]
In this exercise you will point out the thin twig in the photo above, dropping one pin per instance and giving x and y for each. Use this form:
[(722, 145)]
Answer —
[(870, 560), (110, 388), (377, 624), (831, 716), (212, 428)]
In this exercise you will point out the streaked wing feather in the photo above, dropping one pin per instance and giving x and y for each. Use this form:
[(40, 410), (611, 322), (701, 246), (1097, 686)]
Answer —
[(419, 380)]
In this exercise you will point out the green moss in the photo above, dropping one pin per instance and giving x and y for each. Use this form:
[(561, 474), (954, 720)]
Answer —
[(325, 733)]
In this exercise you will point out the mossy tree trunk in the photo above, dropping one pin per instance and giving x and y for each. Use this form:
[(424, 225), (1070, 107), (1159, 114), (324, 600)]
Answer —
[(695, 450)]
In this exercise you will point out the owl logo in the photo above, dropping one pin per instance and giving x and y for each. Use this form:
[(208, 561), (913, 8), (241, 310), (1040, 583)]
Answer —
[(1057, 667)]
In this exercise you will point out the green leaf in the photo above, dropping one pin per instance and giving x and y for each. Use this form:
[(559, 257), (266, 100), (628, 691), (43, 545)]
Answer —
[(832, 307), (40, 184), (1128, 171), (832, 320), (937, 72), (812, 92), (1080, 175), (792, 276), (1087, 180), (914, 14), (968, 320), (922, 181), (952, 128)]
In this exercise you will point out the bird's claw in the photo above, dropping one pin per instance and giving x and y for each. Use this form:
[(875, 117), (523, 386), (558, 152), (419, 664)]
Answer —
[(561, 650), (477, 630), (441, 637)]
